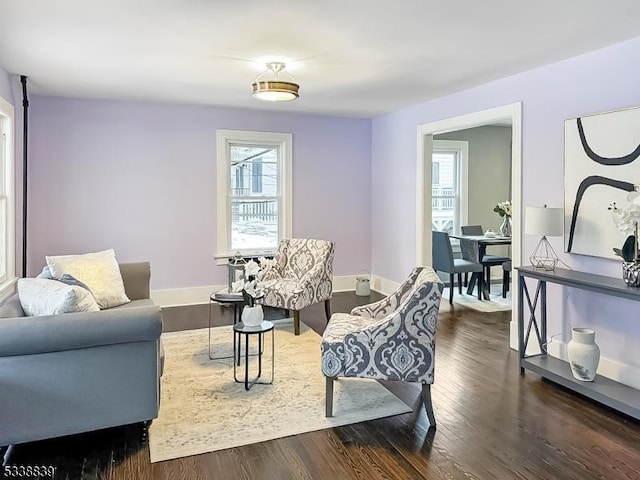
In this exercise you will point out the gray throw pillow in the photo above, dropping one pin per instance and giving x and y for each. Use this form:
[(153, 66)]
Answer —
[(71, 280)]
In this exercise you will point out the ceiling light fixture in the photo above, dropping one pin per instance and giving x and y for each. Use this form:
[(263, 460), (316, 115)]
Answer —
[(274, 89)]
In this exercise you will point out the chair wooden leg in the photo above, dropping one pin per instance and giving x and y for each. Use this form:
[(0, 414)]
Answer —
[(296, 322), (460, 283), (451, 289), (327, 309), (466, 279), (505, 283), (428, 406), (480, 284), (329, 398)]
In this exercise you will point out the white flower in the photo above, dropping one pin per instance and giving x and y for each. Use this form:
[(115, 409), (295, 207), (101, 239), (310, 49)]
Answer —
[(503, 208), (266, 263), (251, 268), (626, 219)]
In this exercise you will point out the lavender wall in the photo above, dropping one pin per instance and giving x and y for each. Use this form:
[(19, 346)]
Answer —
[(599, 81), (140, 177)]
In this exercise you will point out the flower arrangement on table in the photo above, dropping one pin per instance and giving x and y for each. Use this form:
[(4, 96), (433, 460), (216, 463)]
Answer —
[(626, 219), (503, 208), (250, 286)]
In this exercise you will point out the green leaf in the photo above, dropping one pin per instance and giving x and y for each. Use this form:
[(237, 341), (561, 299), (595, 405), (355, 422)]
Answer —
[(628, 249)]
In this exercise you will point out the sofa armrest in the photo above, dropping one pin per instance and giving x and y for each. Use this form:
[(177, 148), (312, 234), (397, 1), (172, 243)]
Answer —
[(70, 331), (136, 278)]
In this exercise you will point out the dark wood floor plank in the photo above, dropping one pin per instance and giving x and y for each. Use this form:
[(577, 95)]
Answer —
[(492, 424)]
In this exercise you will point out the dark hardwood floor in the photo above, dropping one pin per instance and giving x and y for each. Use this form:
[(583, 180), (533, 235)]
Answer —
[(492, 424)]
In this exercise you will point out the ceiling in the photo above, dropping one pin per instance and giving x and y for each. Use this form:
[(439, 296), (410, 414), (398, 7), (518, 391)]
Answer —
[(356, 58)]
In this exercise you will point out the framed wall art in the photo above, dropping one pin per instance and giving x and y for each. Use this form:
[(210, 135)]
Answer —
[(601, 166)]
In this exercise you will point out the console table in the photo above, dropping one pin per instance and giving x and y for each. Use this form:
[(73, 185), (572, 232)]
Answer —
[(604, 390)]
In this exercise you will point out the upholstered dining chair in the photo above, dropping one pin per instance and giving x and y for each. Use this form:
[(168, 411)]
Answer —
[(443, 261), (302, 276), (487, 261), (392, 339)]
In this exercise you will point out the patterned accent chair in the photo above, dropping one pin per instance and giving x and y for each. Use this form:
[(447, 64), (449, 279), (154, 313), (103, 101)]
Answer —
[(392, 339), (302, 276)]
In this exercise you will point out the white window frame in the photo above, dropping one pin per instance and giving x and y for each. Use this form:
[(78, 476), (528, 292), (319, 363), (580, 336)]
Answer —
[(7, 192), (461, 173), (224, 139)]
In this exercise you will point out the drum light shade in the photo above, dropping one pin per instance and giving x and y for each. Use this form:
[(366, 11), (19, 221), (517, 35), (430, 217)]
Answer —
[(544, 221), (274, 89)]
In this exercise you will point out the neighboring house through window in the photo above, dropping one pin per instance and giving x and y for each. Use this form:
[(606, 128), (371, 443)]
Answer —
[(449, 185), (7, 200), (254, 191)]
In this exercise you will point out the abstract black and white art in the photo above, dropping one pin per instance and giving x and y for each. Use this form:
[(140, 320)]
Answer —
[(601, 166)]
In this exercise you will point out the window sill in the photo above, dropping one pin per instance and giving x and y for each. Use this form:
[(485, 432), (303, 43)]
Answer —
[(8, 288)]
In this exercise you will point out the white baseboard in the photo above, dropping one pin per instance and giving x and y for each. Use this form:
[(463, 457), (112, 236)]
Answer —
[(383, 285), (177, 297)]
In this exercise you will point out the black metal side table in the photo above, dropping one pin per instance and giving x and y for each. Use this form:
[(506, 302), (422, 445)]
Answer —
[(236, 300), (259, 330)]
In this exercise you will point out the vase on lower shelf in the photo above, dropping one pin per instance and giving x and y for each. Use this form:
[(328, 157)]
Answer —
[(583, 353), (252, 316), (505, 228), (631, 273)]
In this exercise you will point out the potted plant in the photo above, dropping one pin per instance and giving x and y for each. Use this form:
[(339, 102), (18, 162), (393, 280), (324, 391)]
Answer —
[(504, 210), (626, 219), (251, 289)]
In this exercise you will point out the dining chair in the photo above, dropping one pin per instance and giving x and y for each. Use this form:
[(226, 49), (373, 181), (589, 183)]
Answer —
[(443, 261), (487, 261), (506, 273)]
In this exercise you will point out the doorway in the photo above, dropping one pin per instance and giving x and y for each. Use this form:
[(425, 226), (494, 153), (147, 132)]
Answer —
[(509, 113)]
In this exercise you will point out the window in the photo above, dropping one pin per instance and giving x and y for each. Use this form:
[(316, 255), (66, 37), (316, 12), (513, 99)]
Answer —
[(254, 191), (449, 185), (7, 225)]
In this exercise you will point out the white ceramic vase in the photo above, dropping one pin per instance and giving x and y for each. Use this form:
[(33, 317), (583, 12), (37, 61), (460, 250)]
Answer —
[(584, 354), (252, 316)]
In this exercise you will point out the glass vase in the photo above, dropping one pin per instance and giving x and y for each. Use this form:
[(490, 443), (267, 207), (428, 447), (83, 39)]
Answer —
[(631, 273), (505, 228)]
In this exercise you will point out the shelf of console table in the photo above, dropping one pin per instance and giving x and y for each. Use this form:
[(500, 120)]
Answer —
[(603, 390)]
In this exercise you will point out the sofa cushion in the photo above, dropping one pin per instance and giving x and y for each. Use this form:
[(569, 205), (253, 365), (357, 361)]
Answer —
[(40, 296), (98, 271)]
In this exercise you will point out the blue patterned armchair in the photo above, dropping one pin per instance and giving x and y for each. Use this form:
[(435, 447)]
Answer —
[(393, 339), (302, 275)]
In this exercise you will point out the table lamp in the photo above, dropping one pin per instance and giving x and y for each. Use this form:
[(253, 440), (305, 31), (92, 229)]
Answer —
[(548, 222)]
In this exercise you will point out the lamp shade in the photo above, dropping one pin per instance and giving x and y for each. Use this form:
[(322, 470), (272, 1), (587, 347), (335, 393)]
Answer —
[(544, 221), (273, 89)]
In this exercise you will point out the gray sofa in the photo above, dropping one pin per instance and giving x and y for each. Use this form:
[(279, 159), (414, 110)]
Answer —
[(77, 372)]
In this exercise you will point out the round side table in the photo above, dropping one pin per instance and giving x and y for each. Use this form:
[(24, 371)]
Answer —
[(249, 331), (225, 298)]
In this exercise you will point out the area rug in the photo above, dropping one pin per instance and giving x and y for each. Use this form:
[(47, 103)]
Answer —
[(495, 303), (203, 409)]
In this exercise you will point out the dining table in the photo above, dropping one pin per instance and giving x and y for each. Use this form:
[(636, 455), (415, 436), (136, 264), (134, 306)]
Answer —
[(476, 247)]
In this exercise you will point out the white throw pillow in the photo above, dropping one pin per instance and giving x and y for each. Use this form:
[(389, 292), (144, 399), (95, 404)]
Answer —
[(98, 271), (41, 296)]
